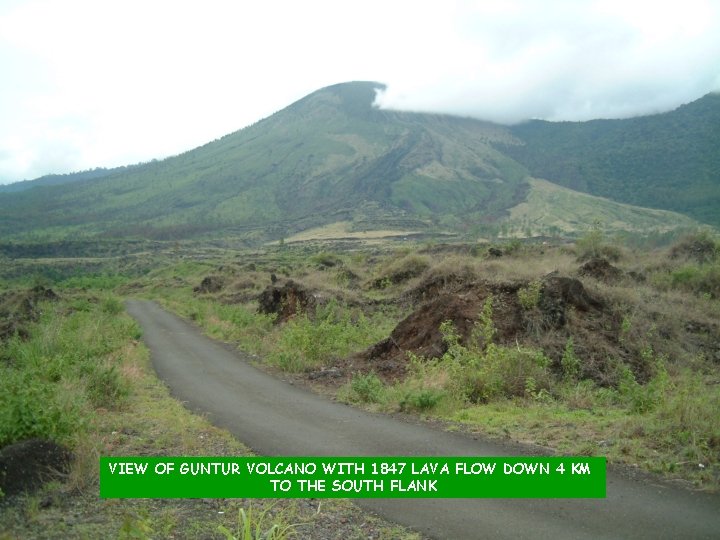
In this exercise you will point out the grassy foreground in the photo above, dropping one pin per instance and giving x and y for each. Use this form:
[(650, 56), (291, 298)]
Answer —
[(82, 378)]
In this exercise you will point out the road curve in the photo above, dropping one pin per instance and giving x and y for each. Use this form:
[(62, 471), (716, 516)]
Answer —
[(277, 418)]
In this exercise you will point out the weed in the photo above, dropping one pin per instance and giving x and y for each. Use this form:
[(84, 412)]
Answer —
[(135, 527), (594, 244), (367, 388), (258, 526), (570, 363), (421, 399), (484, 332), (529, 296)]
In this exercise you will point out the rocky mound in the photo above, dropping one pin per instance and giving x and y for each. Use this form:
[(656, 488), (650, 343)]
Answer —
[(26, 465), (286, 301), (210, 284), (601, 270), (419, 333), (18, 308), (565, 309)]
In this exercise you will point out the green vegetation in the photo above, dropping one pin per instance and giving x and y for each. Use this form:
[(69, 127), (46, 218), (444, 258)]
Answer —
[(331, 156), (81, 378), (669, 161), (305, 344), (253, 525), (51, 384), (334, 158)]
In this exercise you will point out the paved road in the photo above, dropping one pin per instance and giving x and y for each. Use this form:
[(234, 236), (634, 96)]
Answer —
[(277, 418)]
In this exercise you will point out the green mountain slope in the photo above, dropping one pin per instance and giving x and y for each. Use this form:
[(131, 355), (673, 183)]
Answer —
[(59, 179), (551, 209), (669, 161), (331, 156)]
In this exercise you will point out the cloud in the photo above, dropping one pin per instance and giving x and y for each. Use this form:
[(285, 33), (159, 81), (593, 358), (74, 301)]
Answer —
[(569, 61), (104, 84)]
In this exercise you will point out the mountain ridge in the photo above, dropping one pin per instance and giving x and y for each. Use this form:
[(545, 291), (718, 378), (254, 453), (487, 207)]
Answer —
[(330, 156)]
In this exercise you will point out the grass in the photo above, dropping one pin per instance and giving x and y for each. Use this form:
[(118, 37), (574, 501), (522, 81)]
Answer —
[(551, 210), (661, 415), (146, 420)]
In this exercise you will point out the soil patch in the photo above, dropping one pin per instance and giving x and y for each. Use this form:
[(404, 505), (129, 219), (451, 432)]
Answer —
[(26, 465)]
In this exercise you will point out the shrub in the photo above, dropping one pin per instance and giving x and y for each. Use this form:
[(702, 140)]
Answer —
[(529, 296), (504, 372), (594, 245), (483, 371), (105, 386), (700, 246), (703, 279), (31, 406), (421, 399), (260, 526), (112, 306), (366, 388), (307, 343), (570, 363), (50, 382), (401, 270)]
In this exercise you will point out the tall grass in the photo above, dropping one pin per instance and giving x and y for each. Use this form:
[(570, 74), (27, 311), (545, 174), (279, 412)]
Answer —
[(51, 383), (306, 343)]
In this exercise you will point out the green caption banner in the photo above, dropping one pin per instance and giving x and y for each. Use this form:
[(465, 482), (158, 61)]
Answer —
[(354, 477)]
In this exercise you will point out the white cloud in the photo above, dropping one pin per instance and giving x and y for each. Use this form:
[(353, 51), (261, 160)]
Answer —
[(103, 84)]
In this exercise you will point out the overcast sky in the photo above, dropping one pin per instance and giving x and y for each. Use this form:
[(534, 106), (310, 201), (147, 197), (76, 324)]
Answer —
[(89, 83)]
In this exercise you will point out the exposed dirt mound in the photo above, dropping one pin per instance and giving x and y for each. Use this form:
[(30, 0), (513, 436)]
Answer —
[(600, 269), (560, 293), (26, 465), (18, 308), (210, 284), (286, 301), (419, 333), (565, 309), (436, 284)]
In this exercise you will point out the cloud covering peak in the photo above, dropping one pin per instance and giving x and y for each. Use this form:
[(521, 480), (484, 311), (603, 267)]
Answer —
[(106, 84)]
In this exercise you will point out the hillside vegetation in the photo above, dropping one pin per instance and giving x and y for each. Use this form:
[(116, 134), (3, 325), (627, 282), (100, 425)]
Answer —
[(669, 161), (333, 157), (585, 349)]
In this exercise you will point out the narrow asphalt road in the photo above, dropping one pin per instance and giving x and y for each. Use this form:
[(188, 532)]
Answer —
[(277, 418)]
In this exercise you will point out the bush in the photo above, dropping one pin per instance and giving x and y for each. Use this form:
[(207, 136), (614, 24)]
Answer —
[(483, 371), (308, 343), (402, 270), (529, 296), (366, 388), (105, 386), (700, 246), (704, 279), (570, 363), (506, 372), (421, 399), (33, 407), (594, 245)]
